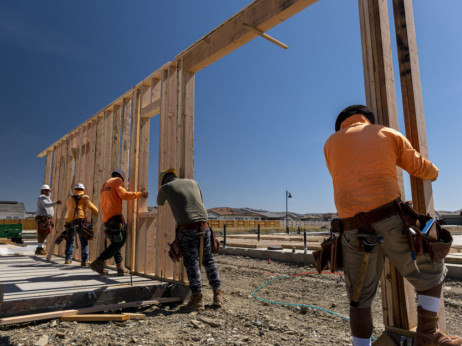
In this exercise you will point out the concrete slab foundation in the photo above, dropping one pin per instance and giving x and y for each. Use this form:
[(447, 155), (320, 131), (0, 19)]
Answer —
[(32, 285)]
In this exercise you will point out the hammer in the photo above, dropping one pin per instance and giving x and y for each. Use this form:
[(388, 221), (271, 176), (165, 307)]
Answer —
[(368, 247), (201, 235)]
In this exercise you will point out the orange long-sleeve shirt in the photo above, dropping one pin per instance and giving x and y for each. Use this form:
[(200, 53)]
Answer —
[(84, 204), (362, 160), (111, 194)]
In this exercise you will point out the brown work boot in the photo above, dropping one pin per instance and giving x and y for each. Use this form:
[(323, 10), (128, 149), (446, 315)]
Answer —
[(40, 251), (195, 304), (217, 298), (121, 270), (83, 263), (67, 262), (98, 266), (427, 332)]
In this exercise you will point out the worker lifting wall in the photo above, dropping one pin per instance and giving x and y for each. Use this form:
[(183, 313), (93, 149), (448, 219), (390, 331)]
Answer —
[(89, 153)]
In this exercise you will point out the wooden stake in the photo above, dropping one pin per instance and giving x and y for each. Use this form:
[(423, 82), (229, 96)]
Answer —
[(266, 36)]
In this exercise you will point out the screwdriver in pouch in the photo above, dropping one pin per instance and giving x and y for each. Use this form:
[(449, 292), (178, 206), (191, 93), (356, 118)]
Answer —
[(410, 237)]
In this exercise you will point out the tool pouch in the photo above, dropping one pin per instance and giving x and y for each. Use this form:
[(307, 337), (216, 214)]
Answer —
[(215, 242), (44, 224), (330, 255), (437, 242), (174, 252), (115, 229), (87, 230)]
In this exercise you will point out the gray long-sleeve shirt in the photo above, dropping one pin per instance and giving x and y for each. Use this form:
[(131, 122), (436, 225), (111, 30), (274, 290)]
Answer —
[(45, 206), (185, 199)]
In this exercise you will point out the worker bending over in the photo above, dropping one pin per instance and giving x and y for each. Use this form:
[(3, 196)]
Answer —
[(362, 159), (111, 195), (76, 205), (184, 197)]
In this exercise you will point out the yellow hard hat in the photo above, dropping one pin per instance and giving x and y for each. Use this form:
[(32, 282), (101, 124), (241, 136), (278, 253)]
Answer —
[(164, 173)]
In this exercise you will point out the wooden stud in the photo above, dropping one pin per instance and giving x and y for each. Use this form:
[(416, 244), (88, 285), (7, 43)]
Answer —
[(414, 118), (115, 156), (133, 179), (47, 177), (97, 308), (95, 317), (98, 178), (125, 144)]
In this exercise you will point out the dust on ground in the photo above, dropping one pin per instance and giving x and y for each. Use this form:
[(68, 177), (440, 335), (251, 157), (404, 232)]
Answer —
[(244, 320)]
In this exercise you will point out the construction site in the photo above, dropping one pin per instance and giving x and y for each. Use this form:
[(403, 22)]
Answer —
[(273, 294)]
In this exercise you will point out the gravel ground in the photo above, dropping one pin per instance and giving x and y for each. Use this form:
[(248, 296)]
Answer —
[(244, 320)]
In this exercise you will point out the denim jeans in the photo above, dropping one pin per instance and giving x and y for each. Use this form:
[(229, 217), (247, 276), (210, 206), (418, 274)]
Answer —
[(190, 247), (83, 247)]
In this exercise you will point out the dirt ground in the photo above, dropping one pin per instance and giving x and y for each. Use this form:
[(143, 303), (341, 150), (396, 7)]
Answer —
[(244, 320)]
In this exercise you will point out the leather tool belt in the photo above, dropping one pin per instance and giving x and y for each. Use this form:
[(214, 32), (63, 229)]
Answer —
[(362, 221), (201, 225)]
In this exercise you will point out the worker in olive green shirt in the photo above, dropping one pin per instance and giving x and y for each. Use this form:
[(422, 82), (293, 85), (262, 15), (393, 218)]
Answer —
[(185, 199)]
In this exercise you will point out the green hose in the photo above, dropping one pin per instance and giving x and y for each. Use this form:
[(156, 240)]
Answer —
[(295, 304)]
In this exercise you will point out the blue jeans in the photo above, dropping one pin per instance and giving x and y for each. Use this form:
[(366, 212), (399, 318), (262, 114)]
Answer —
[(83, 246)]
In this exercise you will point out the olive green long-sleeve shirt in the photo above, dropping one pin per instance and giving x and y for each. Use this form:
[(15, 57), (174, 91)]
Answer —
[(185, 199)]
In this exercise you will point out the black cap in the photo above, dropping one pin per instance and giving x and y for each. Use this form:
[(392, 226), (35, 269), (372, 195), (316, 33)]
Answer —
[(351, 110)]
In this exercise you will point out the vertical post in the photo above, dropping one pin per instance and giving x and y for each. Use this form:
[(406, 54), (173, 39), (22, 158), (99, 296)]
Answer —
[(258, 232), (287, 207), (224, 235), (397, 293), (414, 118), (305, 248)]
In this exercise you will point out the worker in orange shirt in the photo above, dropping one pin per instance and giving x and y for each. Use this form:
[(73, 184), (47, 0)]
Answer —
[(76, 205), (111, 195), (362, 159)]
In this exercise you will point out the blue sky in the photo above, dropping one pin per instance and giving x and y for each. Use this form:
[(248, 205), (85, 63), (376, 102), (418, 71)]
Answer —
[(262, 113)]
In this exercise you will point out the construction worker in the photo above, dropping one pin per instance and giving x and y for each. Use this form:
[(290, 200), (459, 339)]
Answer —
[(362, 159), (77, 204), (111, 195), (44, 218), (185, 199)]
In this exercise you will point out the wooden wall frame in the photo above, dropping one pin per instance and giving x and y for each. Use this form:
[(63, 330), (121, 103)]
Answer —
[(105, 142)]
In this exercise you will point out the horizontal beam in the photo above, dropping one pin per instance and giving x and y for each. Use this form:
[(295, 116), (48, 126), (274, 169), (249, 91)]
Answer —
[(151, 109), (232, 34)]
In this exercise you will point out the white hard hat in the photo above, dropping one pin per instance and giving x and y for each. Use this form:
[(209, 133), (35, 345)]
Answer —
[(45, 187), (119, 172), (79, 186)]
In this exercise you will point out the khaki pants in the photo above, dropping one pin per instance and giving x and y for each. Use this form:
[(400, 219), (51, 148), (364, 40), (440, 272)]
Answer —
[(396, 247)]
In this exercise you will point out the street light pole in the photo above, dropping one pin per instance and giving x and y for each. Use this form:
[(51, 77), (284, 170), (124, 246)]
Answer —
[(288, 195)]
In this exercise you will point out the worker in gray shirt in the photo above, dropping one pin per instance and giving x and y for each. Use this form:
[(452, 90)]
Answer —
[(44, 217), (185, 199)]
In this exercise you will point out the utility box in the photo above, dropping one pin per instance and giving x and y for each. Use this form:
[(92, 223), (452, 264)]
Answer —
[(13, 232)]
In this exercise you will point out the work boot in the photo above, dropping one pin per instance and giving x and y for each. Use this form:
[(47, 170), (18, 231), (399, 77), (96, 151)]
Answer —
[(40, 251), (427, 332), (195, 304), (121, 270), (67, 262), (217, 298), (83, 263), (98, 266)]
